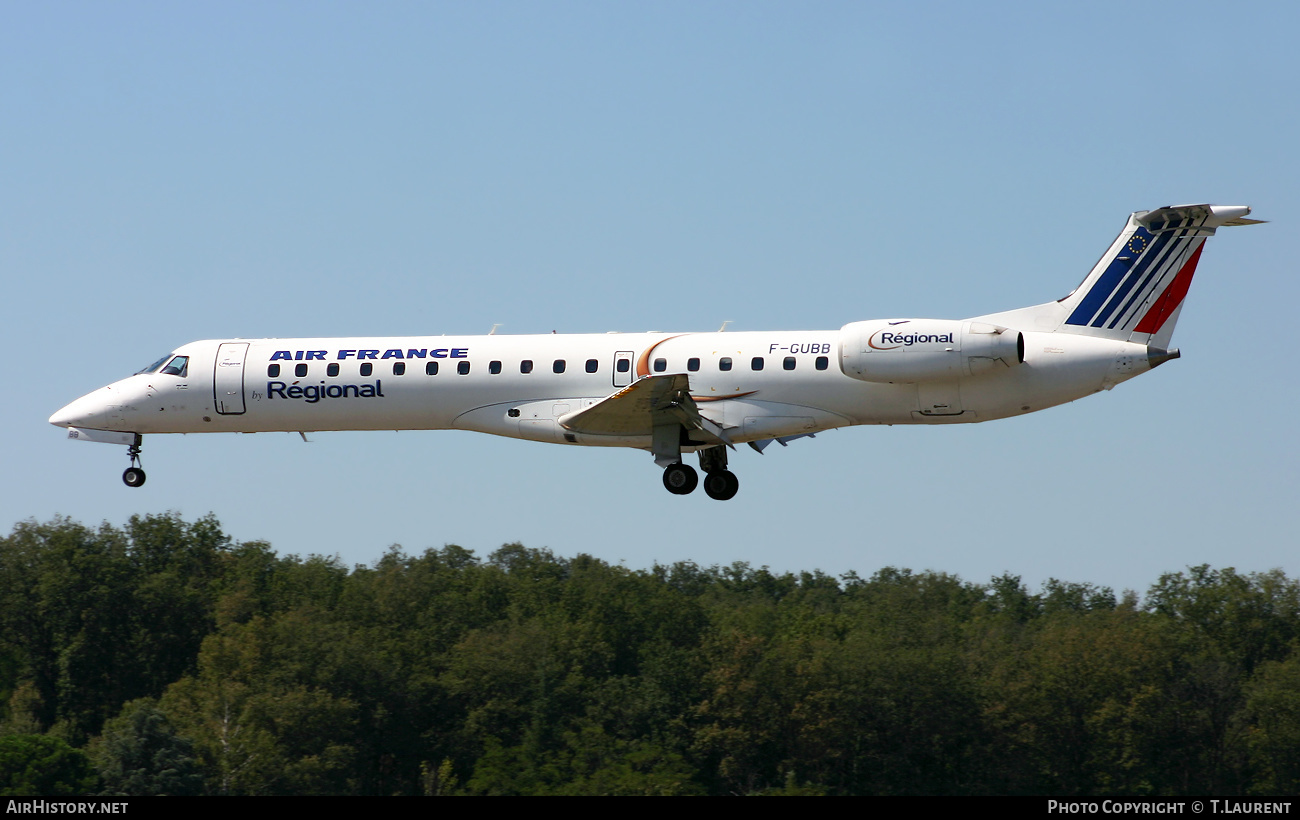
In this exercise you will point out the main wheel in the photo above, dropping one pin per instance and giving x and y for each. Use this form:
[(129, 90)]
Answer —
[(679, 479), (133, 477), (721, 485)]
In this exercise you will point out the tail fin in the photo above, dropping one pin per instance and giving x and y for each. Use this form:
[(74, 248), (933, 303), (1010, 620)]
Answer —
[(1135, 292)]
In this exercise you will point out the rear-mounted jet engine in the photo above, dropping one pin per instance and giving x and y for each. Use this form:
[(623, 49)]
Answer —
[(920, 350)]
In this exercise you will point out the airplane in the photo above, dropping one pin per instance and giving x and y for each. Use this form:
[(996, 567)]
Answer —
[(677, 393)]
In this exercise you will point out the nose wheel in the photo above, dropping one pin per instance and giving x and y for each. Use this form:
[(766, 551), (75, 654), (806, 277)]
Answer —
[(134, 475)]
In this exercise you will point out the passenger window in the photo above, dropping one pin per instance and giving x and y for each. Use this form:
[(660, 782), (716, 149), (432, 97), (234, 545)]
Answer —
[(624, 365), (332, 369), (822, 362), (692, 365), (177, 367), (724, 364), (526, 366), (558, 367), (430, 368), (273, 371), (399, 368), (756, 363), (494, 368), (463, 368), (367, 368), (300, 370), (591, 365), (788, 364), (661, 365)]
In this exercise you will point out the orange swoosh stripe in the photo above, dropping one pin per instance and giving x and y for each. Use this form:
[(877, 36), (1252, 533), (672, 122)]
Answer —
[(643, 363)]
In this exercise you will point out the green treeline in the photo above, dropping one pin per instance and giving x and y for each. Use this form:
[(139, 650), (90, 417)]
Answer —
[(164, 657)]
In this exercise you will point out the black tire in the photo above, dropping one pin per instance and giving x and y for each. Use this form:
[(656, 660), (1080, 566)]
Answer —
[(721, 485), (133, 477), (680, 479)]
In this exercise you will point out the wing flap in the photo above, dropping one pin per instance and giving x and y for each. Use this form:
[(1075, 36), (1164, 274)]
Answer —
[(636, 409)]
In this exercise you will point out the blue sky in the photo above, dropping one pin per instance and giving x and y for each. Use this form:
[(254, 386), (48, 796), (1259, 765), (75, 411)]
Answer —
[(172, 172)]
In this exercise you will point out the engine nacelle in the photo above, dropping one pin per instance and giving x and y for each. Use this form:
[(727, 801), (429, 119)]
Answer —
[(921, 350)]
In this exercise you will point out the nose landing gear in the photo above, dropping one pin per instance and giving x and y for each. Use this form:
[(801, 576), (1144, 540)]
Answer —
[(134, 476)]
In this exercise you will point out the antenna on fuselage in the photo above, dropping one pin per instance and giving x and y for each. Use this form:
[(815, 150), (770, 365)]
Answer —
[(493, 331), (724, 325)]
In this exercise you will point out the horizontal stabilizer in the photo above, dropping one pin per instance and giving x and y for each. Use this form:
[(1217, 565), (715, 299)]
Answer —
[(1203, 217)]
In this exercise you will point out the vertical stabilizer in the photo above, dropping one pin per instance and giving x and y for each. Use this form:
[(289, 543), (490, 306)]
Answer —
[(1136, 291)]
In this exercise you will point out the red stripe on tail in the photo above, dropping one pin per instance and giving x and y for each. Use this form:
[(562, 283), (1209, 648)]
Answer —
[(1169, 301)]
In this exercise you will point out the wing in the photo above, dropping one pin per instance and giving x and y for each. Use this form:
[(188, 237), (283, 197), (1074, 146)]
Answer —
[(638, 408)]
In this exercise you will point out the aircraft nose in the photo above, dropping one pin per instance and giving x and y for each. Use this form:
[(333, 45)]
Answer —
[(88, 411), (64, 417), (75, 414)]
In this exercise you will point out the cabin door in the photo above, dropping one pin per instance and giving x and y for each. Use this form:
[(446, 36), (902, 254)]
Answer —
[(228, 379)]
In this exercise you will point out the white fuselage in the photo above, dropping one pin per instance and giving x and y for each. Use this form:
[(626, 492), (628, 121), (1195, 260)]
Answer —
[(778, 384), (684, 392)]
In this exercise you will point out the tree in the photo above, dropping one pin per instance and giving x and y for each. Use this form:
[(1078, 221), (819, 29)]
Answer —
[(256, 725), (140, 753), (1249, 618), (96, 618), (45, 766), (1273, 706)]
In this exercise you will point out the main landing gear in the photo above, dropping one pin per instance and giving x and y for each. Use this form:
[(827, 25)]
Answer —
[(680, 479), (721, 485), (134, 476), (719, 482)]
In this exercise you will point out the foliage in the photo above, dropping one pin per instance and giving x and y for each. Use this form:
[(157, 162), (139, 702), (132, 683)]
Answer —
[(139, 753), (188, 663), (46, 766)]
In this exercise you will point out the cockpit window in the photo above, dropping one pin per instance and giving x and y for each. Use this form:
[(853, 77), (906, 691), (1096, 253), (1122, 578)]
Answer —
[(178, 366), (151, 368)]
